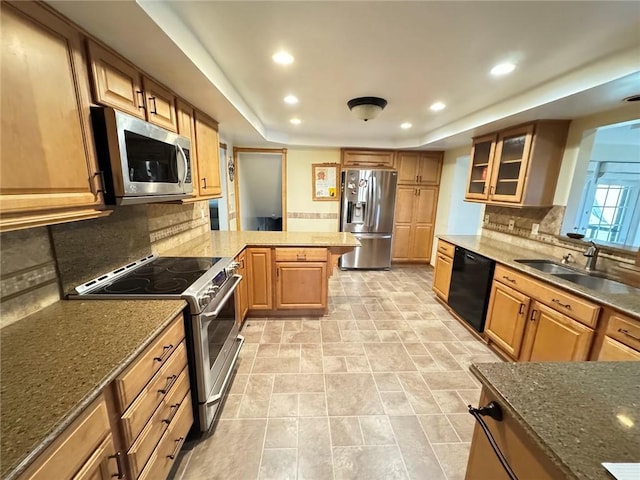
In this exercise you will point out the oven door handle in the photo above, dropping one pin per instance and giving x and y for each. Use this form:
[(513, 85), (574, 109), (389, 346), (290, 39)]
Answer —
[(218, 396), (216, 312)]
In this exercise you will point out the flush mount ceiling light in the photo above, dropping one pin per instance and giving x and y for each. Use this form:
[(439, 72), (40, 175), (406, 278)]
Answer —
[(282, 57), (405, 125), (436, 107), (296, 121), (502, 69), (366, 108), (291, 99)]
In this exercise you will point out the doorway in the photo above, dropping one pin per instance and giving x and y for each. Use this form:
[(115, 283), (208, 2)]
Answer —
[(260, 187)]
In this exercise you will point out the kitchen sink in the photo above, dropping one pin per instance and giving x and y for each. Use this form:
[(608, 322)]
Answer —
[(603, 285), (547, 266)]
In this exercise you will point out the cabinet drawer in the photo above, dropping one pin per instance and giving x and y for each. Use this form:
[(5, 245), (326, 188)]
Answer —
[(162, 418), (165, 454), (304, 254), (614, 351), (566, 303), (134, 419), (446, 248), (625, 330), (130, 383), (74, 447)]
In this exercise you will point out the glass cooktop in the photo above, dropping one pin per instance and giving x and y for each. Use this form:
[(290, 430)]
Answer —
[(167, 275)]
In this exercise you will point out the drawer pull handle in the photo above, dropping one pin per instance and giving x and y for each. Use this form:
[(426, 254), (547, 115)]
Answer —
[(626, 332), (170, 419), (512, 280), (533, 315), (119, 465), (521, 309), (155, 107), (563, 305), (170, 381), (166, 351), (441, 258), (141, 102), (173, 455)]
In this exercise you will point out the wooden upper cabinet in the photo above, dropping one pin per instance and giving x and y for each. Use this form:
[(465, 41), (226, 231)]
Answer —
[(208, 147), (418, 168), (367, 158), (518, 166), (119, 84), (48, 172)]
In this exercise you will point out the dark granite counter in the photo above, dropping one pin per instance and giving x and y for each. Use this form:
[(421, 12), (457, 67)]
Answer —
[(506, 253), (580, 414), (55, 362)]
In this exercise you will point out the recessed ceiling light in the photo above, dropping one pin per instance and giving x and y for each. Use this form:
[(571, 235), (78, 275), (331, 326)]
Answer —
[(291, 99), (405, 125), (436, 107), (283, 58), (503, 69), (296, 121)]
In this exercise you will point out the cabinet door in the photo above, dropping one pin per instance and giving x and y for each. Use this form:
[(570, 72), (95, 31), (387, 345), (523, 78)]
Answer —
[(301, 285), (408, 167), (208, 147), (614, 351), (401, 248), (101, 465), (554, 337), (368, 158), (187, 128), (482, 154), (161, 105), (429, 167), (259, 273), (421, 243), (425, 205), (442, 276), (47, 148), (510, 164), (405, 198), (242, 304), (506, 318), (116, 83)]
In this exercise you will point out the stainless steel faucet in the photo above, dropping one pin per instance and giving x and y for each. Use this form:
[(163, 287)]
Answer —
[(592, 256)]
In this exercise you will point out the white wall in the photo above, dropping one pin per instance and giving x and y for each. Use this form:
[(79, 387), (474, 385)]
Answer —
[(305, 214), (454, 215)]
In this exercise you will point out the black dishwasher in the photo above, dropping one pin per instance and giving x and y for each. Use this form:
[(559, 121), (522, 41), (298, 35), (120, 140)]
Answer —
[(470, 286)]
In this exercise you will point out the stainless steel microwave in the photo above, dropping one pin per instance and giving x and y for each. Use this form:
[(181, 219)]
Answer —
[(141, 163)]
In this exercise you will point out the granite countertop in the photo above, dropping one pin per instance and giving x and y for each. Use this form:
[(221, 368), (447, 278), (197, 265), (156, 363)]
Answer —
[(505, 253), (231, 243), (56, 361), (580, 414)]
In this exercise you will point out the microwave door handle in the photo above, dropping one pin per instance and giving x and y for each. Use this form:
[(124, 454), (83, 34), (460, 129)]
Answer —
[(186, 163), (216, 312)]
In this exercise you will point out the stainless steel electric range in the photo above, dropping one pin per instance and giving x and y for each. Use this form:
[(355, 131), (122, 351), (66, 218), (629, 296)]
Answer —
[(213, 342)]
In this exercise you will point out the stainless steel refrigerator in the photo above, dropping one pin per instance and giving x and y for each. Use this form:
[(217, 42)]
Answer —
[(366, 210)]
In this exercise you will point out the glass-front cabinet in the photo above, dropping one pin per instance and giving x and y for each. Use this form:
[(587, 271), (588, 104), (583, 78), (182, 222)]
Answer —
[(506, 169)]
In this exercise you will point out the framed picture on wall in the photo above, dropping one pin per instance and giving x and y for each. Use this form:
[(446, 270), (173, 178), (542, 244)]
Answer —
[(325, 181)]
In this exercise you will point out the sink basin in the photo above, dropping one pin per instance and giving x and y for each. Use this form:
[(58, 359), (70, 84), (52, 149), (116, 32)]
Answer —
[(600, 284), (547, 266)]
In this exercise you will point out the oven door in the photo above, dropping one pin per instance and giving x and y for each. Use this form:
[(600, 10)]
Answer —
[(217, 346)]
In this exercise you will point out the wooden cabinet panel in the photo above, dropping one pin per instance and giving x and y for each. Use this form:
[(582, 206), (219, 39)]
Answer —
[(425, 205), (242, 304), (187, 128), (421, 243), (625, 330), (259, 273), (418, 168), (135, 377), (208, 146), (446, 248), (430, 168), (101, 465), (301, 285), (614, 351), (554, 337), (302, 254), (116, 83), (48, 168), (401, 247), (506, 318), (367, 158), (405, 198), (413, 223), (161, 105), (442, 276)]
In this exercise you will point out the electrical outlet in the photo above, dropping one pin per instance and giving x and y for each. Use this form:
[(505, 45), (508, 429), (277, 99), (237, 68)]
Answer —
[(486, 218), (534, 228), (512, 223)]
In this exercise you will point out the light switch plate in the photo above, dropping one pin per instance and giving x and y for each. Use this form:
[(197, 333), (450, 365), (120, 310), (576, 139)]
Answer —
[(486, 218), (512, 224), (534, 228)]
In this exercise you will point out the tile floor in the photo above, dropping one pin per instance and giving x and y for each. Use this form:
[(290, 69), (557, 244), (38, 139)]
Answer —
[(377, 389)]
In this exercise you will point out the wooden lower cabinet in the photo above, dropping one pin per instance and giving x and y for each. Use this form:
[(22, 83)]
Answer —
[(301, 285), (242, 293), (526, 459), (554, 337), (507, 318), (442, 276), (614, 351), (85, 450), (260, 295), (49, 172)]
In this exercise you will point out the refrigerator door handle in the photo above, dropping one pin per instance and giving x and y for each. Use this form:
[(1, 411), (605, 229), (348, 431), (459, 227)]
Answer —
[(372, 235), (370, 198)]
